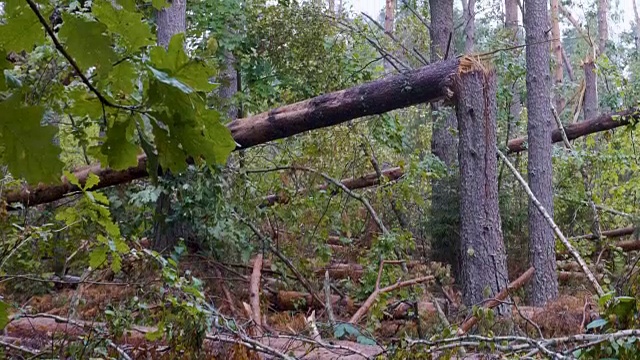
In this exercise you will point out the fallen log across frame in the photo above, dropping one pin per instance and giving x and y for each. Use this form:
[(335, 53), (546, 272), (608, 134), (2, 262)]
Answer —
[(423, 85)]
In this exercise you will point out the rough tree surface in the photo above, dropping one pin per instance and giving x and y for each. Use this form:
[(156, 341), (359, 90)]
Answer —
[(544, 285), (444, 145), (482, 252)]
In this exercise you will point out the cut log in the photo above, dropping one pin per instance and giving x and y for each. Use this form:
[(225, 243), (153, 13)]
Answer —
[(601, 123), (429, 83)]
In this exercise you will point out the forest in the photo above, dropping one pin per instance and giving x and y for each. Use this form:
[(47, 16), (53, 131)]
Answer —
[(300, 179)]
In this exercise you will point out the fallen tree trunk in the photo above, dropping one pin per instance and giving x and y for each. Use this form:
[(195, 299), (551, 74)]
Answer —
[(573, 131), (429, 83), (367, 180), (601, 123), (616, 233)]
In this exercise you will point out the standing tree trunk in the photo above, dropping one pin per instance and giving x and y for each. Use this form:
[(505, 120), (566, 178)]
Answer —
[(389, 21), (557, 53), (166, 233), (469, 10), (603, 26), (171, 21), (637, 26), (590, 103), (482, 253), (544, 286), (444, 219), (511, 24)]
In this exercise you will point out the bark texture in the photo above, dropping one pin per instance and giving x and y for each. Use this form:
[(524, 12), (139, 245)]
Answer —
[(430, 83), (171, 21), (603, 122), (512, 26), (482, 253), (444, 220), (544, 285), (603, 25), (469, 10), (590, 103), (389, 21), (557, 54), (230, 85)]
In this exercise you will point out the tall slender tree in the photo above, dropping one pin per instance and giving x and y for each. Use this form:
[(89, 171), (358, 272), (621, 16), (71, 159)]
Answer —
[(444, 219), (512, 25), (389, 22), (544, 285), (482, 253), (636, 28), (556, 42), (603, 25), (469, 10)]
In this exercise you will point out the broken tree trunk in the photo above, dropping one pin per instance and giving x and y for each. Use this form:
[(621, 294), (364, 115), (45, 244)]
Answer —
[(426, 84), (482, 254), (601, 123)]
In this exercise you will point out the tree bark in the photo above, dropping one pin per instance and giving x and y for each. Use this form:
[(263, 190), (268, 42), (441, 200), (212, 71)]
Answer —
[(171, 21), (512, 26), (544, 286), (389, 21), (469, 10), (636, 28), (444, 219), (603, 26), (166, 234), (603, 122), (590, 104), (482, 253), (557, 53)]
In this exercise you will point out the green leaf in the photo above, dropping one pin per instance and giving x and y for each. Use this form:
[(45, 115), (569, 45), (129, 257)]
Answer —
[(597, 323), (365, 340), (121, 246), (28, 147), (122, 78), (72, 179), (116, 263), (84, 103), (87, 43), (155, 335), (339, 331), (165, 78), (4, 314), (160, 4), (92, 180), (22, 29), (170, 156), (97, 257), (175, 62), (119, 150), (128, 24)]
